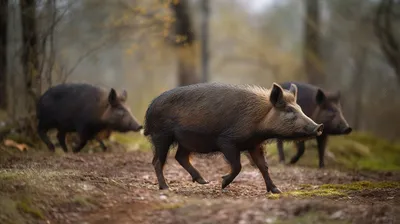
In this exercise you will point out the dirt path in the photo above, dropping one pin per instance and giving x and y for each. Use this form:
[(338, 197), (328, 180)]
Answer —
[(122, 188)]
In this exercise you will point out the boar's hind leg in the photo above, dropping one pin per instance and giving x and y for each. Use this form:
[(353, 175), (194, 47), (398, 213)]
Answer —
[(182, 156), (42, 132), (300, 151), (83, 139), (161, 148), (232, 155), (257, 154), (61, 140)]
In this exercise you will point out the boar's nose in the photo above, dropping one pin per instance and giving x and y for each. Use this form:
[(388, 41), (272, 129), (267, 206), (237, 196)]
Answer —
[(347, 130), (139, 128), (318, 130)]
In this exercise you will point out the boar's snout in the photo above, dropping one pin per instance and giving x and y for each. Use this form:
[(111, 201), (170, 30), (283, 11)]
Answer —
[(319, 129), (347, 130)]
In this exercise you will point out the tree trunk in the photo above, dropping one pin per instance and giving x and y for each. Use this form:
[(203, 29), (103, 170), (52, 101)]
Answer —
[(184, 42), (313, 64), (3, 53), (29, 59), (358, 85), (204, 40), (384, 31)]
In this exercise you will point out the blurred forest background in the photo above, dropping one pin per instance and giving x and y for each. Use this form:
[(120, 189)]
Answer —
[(149, 46)]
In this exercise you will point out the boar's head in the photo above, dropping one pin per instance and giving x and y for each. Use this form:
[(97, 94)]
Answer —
[(117, 115), (286, 119), (329, 112)]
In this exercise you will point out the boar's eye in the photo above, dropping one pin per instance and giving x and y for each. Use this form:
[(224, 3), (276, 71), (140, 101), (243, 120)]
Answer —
[(120, 112), (290, 110)]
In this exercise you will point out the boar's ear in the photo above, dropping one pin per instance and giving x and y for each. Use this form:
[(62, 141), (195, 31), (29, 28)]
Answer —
[(320, 98), (112, 97), (276, 95), (293, 90), (124, 95)]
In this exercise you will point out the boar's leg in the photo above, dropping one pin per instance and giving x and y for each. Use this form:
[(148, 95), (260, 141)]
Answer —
[(232, 155), (102, 145), (182, 156), (250, 159), (279, 144), (42, 132), (161, 148), (83, 139), (321, 140), (257, 154), (61, 140), (300, 151)]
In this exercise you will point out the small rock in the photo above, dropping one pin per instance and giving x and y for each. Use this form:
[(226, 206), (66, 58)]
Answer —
[(270, 220), (337, 215), (163, 197), (390, 198)]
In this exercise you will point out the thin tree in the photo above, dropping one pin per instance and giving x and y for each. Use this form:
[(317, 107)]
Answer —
[(313, 66), (184, 42), (384, 31), (3, 53), (205, 6)]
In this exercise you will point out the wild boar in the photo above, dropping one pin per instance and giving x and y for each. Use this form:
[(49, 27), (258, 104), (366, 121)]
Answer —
[(215, 117), (83, 108), (323, 107)]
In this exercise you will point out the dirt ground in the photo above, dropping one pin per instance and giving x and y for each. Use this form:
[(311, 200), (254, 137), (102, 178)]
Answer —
[(121, 187)]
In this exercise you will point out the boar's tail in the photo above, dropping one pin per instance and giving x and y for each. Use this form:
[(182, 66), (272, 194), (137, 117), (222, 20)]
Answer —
[(144, 132)]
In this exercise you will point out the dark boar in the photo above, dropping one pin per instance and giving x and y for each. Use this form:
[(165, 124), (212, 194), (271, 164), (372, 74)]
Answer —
[(212, 117), (89, 110), (323, 107)]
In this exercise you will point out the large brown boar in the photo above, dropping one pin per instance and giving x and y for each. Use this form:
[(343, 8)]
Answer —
[(83, 108), (213, 117), (323, 107)]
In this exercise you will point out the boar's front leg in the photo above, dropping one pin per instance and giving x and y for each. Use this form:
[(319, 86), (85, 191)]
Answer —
[(257, 154), (232, 155), (182, 156), (321, 140), (279, 145)]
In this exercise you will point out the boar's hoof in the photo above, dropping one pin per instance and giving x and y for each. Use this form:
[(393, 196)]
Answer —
[(200, 180), (275, 190), (163, 187)]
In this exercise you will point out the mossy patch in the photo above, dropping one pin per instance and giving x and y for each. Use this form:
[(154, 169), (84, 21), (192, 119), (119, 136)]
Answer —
[(27, 207), (335, 190)]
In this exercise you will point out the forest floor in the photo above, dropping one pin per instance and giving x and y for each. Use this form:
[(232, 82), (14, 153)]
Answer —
[(121, 187)]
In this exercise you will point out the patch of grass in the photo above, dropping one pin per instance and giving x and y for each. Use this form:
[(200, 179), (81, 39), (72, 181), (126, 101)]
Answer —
[(135, 140), (312, 217), (358, 151), (9, 212), (335, 190), (27, 207), (366, 152), (83, 201)]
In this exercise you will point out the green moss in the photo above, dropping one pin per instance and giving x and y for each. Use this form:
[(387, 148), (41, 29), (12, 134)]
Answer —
[(9, 212), (362, 185), (27, 207), (335, 190)]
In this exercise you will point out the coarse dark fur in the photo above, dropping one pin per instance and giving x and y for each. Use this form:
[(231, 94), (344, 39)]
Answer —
[(323, 107), (212, 117), (89, 110)]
